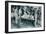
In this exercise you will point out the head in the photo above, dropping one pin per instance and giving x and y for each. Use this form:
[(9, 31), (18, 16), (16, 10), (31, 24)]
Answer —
[(16, 7), (25, 8)]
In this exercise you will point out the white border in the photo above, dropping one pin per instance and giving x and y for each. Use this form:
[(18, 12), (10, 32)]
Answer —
[(25, 29)]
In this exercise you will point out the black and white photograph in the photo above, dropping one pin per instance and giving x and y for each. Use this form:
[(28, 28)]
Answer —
[(25, 16)]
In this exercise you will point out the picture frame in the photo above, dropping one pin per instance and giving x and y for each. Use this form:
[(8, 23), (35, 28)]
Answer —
[(34, 10)]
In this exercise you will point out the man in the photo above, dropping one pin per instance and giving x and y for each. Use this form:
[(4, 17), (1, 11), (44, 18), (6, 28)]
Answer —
[(25, 14), (16, 15), (20, 12)]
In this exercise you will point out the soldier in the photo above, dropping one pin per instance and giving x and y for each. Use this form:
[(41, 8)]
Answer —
[(20, 13), (16, 15)]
